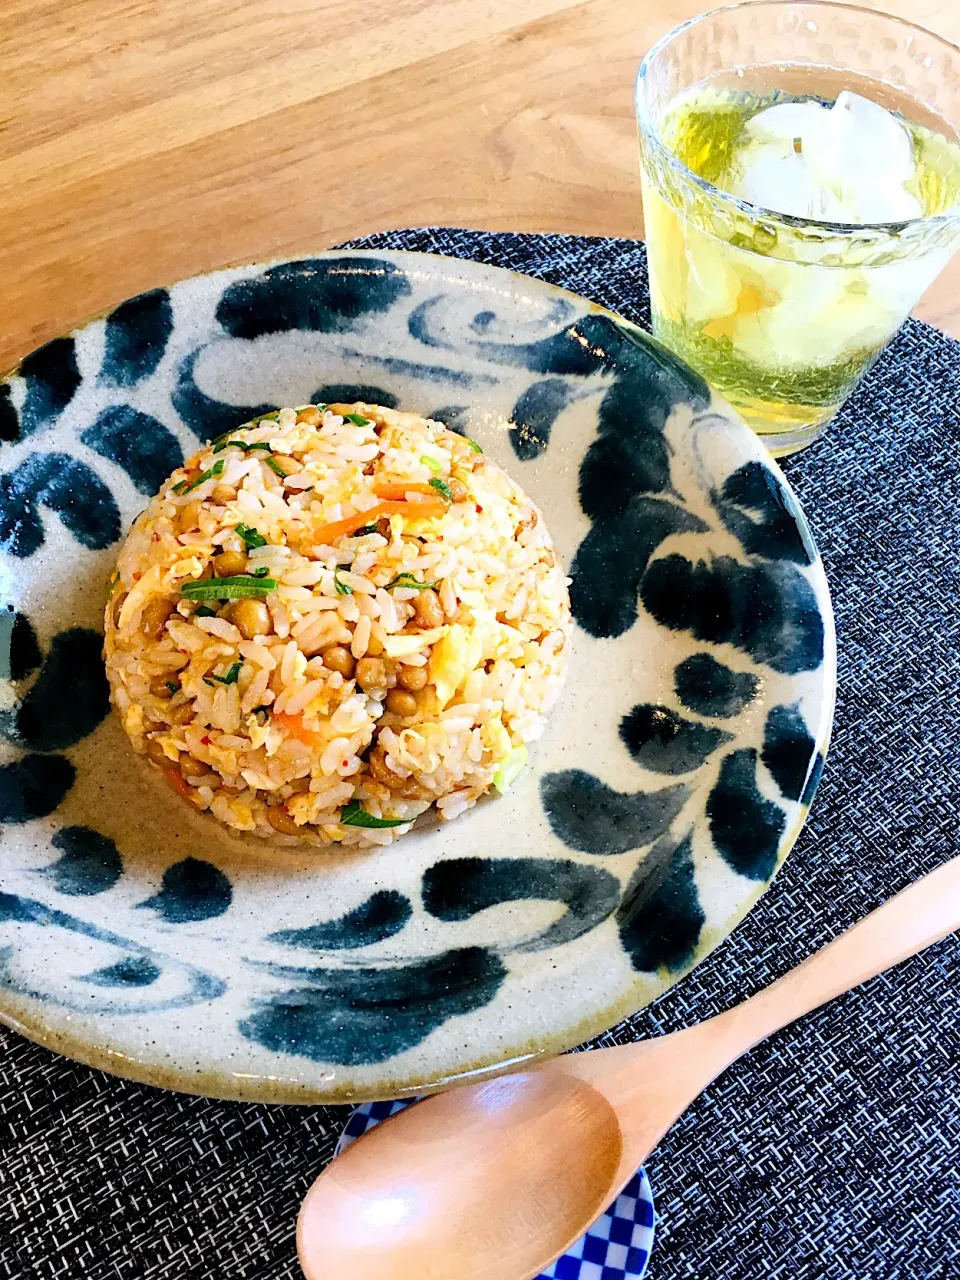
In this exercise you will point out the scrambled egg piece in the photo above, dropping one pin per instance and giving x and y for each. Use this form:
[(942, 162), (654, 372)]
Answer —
[(453, 657)]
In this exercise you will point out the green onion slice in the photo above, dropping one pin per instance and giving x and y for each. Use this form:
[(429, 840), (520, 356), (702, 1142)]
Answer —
[(210, 474), (358, 420), (246, 584), (473, 444), (408, 581), (432, 463), (231, 676), (441, 486), (343, 588), (275, 467), (204, 611), (367, 528), (510, 768), (250, 536), (241, 444), (263, 417), (352, 815)]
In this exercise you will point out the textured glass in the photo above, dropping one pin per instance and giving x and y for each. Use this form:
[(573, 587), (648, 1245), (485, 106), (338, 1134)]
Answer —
[(784, 315)]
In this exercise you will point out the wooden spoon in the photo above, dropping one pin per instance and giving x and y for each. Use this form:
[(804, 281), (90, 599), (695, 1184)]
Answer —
[(495, 1180)]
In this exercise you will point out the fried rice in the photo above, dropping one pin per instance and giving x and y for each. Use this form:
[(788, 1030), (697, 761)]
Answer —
[(333, 618)]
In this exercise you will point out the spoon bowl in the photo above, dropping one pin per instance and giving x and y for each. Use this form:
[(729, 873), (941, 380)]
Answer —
[(552, 1142)]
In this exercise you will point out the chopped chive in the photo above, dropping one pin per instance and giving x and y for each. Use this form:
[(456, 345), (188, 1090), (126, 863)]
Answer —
[(178, 488), (241, 444), (357, 419), (174, 688), (210, 474), (220, 439), (261, 572), (204, 611), (228, 588), (367, 528), (211, 683), (473, 444), (266, 417), (231, 676), (409, 582), (510, 768), (432, 463), (250, 536), (275, 467), (441, 486), (352, 815), (342, 587)]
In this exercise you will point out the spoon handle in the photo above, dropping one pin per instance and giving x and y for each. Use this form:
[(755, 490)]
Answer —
[(919, 915)]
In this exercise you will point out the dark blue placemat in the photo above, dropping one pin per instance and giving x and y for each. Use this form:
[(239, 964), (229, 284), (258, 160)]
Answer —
[(832, 1151)]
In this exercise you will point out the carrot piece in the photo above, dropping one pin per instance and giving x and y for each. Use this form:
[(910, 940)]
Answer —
[(175, 778), (295, 725), (397, 489), (329, 533)]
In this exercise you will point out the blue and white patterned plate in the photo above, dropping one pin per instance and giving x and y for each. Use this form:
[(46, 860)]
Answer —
[(673, 778), (616, 1247)]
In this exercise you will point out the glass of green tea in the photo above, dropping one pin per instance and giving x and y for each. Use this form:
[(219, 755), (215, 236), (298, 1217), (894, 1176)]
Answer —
[(801, 189)]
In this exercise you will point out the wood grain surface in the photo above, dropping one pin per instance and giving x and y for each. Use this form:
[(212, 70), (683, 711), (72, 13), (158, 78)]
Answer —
[(141, 142)]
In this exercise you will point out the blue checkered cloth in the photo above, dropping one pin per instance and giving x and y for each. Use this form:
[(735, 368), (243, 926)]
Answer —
[(831, 1151), (617, 1246)]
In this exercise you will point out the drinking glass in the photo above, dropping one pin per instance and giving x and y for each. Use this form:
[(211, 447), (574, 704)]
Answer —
[(783, 314)]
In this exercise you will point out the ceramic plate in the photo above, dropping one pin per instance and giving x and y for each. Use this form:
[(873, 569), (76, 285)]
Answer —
[(672, 780)]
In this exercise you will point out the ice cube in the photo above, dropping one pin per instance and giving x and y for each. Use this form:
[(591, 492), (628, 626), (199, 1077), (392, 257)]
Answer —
[(869, 198), (864, 156), (784, 122), (848, 163), (880, 161), (713, 286), (873, 138), (782, 183)]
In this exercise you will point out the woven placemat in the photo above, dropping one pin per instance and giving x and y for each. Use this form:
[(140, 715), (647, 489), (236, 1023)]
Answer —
[(832, 1150)]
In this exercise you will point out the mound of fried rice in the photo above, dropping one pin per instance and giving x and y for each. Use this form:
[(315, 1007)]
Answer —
[(332, 618)]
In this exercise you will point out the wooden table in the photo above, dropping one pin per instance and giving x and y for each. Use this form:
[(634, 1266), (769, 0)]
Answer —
[(141, 142)]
